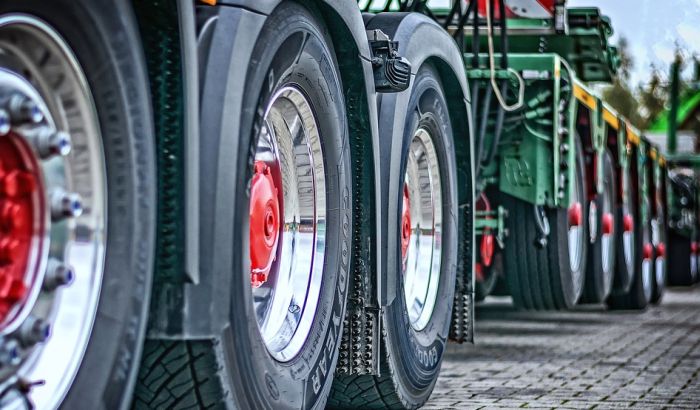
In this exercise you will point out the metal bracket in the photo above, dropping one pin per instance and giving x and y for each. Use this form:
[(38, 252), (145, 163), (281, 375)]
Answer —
[(392, 73)]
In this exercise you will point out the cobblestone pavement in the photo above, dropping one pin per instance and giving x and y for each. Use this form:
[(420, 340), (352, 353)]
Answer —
[(589, 358)]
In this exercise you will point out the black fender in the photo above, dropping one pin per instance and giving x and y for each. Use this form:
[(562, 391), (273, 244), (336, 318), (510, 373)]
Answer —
[(421, 40), (227, 36)]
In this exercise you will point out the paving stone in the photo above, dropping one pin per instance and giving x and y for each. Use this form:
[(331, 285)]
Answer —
[(588, 358)]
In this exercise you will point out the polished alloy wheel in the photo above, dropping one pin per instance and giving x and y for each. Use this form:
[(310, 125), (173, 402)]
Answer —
[(647, 256), (628, 239), (659, 240), (607, 228), (422, 226), (287, 223), (53, 218), (576, 235)]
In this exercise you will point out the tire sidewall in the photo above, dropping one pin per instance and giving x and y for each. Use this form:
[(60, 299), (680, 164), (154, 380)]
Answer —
[(623, 274), (418, 354), (596, 270), (284, 56), (102, 35), (561, 222)]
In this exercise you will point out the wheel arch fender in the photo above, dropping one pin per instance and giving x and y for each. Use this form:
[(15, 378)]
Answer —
[(422, 41), (200, 310)]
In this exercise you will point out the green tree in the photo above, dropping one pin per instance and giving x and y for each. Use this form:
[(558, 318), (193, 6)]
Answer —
[(619, 94), (653, 98)]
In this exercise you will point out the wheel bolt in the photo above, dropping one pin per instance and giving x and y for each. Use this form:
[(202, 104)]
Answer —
[(48, 142), (5, 125), (57, 274), (9, 352), (34, 330), (23, 110), (65, 205)]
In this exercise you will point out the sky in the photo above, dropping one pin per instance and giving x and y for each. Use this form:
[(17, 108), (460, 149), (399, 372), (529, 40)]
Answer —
[(652, 28)]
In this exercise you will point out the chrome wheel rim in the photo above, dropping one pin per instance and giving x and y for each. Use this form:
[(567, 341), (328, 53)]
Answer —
[(607, 234), (627, 234), (285, 298), (658, 240), (63, 133), (422, 229), (576, 235), (647, 255)]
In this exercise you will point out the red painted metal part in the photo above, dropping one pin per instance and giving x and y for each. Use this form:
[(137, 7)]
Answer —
[(265, 222), (694, 247), (607, 224), (628, 223), (487, 246), (405, 223), (479, 272), (520, 8), (647, 251), (18, 181), (661, 250), (575, 214)]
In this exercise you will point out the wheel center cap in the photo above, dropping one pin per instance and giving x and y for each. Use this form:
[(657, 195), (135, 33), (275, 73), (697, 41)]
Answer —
[(405, 223), (575, 214), (264, 223)]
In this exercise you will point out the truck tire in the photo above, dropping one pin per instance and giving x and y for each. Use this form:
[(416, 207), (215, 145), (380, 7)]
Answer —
[(416, 323), (626, 248), (288, 254), (76, 67), (489, 260), (602, 256), (660, 241), (492, 275), (639, 295), (680, 264), (548, 277)]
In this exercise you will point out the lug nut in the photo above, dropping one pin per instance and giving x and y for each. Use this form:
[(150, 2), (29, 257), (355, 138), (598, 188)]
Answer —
[(48, 142), (34, 330), (57, 274), (65, 205), (23, 110), (5, 125), (9, 352)]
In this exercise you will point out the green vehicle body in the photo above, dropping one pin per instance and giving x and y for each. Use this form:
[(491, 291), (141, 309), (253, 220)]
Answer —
[(534, 157)]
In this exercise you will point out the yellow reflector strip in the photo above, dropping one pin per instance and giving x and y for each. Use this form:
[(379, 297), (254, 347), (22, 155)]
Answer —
[(632, 136), (611, 119), (585, 97), (652, 154)]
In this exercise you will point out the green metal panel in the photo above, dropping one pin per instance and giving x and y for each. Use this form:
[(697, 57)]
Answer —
[(528, 163), (585, 47)]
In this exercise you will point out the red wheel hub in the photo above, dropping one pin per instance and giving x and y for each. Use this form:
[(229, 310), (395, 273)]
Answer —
[(479, 272), (607, 224), (265, 217), (660, 250), (487, 246), (405, 223), (647, 251), (575, 214), (627, 223), (18, 183)]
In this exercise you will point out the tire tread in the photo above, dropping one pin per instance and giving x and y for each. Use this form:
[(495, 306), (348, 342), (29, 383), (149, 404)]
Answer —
[(179, 375)]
